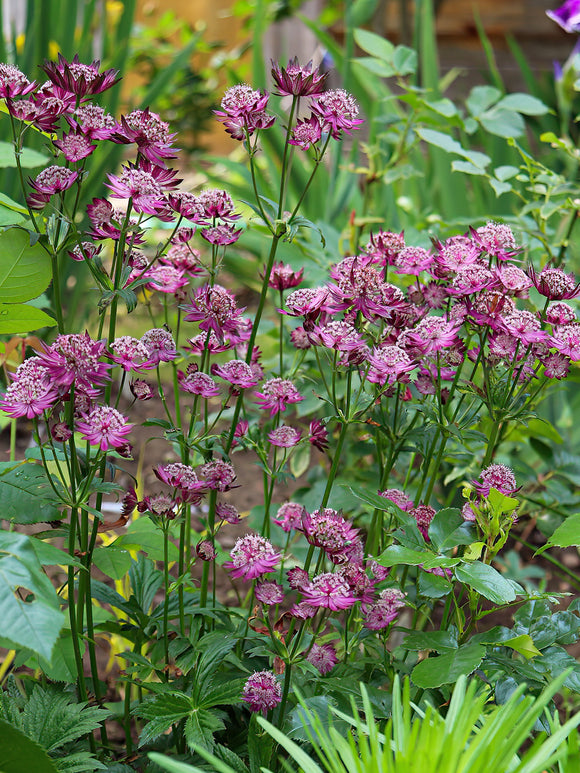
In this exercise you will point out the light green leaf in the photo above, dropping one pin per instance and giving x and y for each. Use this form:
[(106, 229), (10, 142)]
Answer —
[(29, 159), (567, 534), (499, 187), (440, 641), (487, 581), (25, 270), (506, 172), (502, 123), (447, 668), (523, 644), (466, 167), (523, 103), (300, 460), (375, 45), (34, 623), (481, 98), (447, 143), (21, 318), (112, 561)]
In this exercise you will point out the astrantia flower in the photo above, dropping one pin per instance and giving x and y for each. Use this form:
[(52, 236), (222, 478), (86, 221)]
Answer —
[(205, 550), (525, 326), (227, 513), (75, 358), (283, 277), (497, 240), (560, 314), (218, 475), (221, 234), (329, 590), (197, 383), (423, 514), (53, 179), (398, 498), (386, 245), (216, 310), (262, 691), (93, 121), (269, 593), (75, 146), (145, 184), (31, 391), (148, 132), (318, 435), (568, 337), (433, 334), (388, 363), (130, 353), (276, 394), (555, 284), (165, 279), (306, 302), (296, 80), (298, 578), (513, 279), (178, 475), (284, 436), (252, 556), (244, 111), (413, 260), (323, 657), (329, 530), (80, 79), (85, 251), (496, 476), (13, 82), (184, 258), (160, 345), (237, 372), (556, 365), (161, 505), (216, 203), (306, 133), (141, 390), (567, 15), (338, 112), (380, 614), (289, 516), (105, 427)]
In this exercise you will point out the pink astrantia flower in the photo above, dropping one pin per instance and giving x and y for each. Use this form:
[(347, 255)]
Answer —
[(318, 435), (398, 498), (227, 513), (217, 204), (216, 310), (262, 691), (141, 390), (80, 79), (385, 245), (269, 592), (413, 260), (497, 476), (556, 365), (568, 340), (380, 614), (221, 235), (184, 258), (146, 130), (53, 179), (560, 313), (105, 427), (284, 436), (13, 82), (330, 591), (433, 334), (296, 80), (75, 358), (496, 240), (244, 111), (555, 284), (197, 383), (306, 133), (283, 277), (31, 391), (323, 657), (131, 354), (218, 475), (338, 112), (165, 279), (93, 121), (389, 363), (75, 146), (289, 516), (160, 345), (329, 530), (423, 514), (252, 556), (237, 372), (180, 476), (146, 184), (276, 394)]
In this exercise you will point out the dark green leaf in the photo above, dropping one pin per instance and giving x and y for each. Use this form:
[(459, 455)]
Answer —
[(445, 669), (568, 534), (18, 753), (200, 727), (487, 581), (440, 641), (26, 495)]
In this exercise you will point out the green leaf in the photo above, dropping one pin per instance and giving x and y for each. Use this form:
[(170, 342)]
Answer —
[(19, 753), (34, 623), (487, 581), (448, 529), (300, 460), (447, 143), (21, 318), (200, 727), (446, 669), (113, 561), (226, 694), (162, 711), (500, 187), (29, 159), (26, 495), (506, 172), (25, 270), (374, 44), (405, 60), (481, 98), (523, 103), (50, 555), (523, 644), (568, 534), (502, 123), (466, 167), (433, 586), (398, 554), (440, 641)]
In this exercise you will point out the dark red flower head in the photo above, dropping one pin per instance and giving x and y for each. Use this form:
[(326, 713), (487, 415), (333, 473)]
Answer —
[(80, 79), (296, 80)]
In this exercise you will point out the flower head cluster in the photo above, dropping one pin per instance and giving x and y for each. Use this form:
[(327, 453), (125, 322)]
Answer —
[(262, 691), (252, 556), (244, 111)]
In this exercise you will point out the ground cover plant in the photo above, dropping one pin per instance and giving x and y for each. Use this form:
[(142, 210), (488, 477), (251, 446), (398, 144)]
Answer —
[(387, 389)]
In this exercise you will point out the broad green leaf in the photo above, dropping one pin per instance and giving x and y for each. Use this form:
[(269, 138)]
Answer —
[(499, 187), (33, 623), (448, 529), (25, 270), (21, 318), (501, 503), (50, 555), (440, 641), (568, 534), (405, 60), (433, 586), (487, 581), (374, 44), (376, 66), (112, 561), (523, 644), (506, 172), (300, 460), (398, 554), (447, 143), (481, 98), (445, 669), (523, 103), (26, 496), (18, 753), (29, 159), (466, 167), (226, 694), (502, 123)]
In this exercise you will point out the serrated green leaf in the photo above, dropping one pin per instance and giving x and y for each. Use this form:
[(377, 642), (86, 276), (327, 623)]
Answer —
[(447, 668), (567, 534), (200, 727), (162, 711), (25, 270), (226, 694)]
